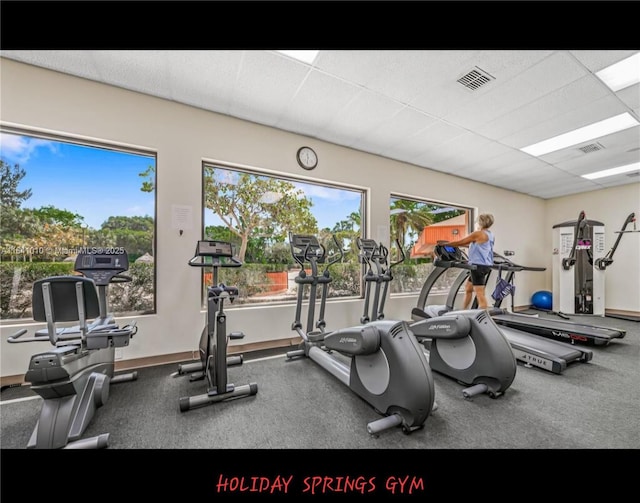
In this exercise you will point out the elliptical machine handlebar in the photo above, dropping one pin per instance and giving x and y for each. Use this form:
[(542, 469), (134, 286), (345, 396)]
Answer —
[(370, 251), (335, 257), (402, 258), (307, 249)]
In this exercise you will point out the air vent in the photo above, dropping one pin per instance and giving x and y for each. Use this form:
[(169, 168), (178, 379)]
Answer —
[(592, 147), (636, 173), (633, 149), (475, 79)]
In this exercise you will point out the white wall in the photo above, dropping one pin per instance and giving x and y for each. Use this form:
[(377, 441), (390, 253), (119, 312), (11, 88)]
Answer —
[(183, 136)]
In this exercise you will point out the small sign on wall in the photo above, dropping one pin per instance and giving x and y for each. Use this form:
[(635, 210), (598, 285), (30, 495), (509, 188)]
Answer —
[(181, 217)]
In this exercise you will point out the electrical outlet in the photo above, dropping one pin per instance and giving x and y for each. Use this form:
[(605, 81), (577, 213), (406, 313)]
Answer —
[(118, 354)]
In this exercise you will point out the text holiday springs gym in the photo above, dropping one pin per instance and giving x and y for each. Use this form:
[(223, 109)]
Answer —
[(320, 484)]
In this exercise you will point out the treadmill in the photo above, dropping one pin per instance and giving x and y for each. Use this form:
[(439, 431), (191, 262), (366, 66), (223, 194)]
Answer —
[(567, 332), (530, 349), (563, 331)]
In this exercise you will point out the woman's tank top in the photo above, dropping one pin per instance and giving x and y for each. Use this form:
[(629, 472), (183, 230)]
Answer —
[(482, 253)]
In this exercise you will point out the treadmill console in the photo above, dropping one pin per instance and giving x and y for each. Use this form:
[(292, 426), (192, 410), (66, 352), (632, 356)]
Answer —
[(447, 253)]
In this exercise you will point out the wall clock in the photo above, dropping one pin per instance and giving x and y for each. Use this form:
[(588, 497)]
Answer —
[(307, 158)]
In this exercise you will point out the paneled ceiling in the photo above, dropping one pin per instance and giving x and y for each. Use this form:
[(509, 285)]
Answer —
[(462, 112)]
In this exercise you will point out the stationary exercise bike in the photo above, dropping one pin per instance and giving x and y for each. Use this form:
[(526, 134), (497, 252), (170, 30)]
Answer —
[(74, 376), (465, 345), (213, 341), (380, 361)]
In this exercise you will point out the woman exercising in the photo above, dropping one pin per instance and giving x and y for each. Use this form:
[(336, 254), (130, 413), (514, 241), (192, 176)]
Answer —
[(480, 243)]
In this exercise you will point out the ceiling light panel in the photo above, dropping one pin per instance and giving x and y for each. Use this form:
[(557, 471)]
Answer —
[(583, 134), (627, 168), (307, 57), (623, 74)]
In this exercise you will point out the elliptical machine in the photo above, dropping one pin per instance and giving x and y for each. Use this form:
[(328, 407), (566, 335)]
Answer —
[(375, 256), (379, 361), (213, 341), (465, 345), (74, 377)]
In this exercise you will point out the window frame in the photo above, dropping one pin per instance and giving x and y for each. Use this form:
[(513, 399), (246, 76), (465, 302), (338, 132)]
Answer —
[(472, 212), (292, 178), (90, 142)]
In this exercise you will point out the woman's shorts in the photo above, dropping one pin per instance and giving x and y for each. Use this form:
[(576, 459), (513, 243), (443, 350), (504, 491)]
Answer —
[(480, 275)]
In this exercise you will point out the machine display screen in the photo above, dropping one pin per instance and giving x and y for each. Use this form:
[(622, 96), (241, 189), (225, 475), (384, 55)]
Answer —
[(450, 249)]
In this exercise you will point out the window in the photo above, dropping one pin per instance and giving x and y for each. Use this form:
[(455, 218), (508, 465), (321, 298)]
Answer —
[(256, 212), (415, 224), (59, 196)]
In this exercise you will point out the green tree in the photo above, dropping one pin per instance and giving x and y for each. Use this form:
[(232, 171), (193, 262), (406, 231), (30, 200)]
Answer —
[(149, 182), (136, 223), (149, 185), (347, 231), (134, 234), (257, 206), (13, 219), (408, 217), (55, 216), (46, 232), (10, 178)]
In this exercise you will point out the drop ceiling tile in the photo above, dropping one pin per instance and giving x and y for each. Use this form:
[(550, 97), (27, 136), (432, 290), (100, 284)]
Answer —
[(367, 111), (600, 109), (205, 79), (79, 63), (386, 136), (426, 140), (573, 96), (319, 99), (616, 150), (404, 75), (341, 99), (141, 71), (630, 96), (596, 60), (266, 84), (619, 143), (503, 97)]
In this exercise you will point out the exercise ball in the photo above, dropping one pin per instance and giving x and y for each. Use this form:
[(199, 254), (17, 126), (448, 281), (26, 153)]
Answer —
[(542, 300)]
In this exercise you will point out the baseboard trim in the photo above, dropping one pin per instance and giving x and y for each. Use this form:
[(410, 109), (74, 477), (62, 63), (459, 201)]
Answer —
[(152, 361), (621, 312)]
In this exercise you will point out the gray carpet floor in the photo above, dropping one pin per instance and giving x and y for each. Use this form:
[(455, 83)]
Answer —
[(594, 405), (589, 416)]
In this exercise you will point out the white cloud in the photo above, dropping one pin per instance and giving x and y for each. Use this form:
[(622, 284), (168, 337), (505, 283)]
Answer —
[(328, 193), (19, 149)]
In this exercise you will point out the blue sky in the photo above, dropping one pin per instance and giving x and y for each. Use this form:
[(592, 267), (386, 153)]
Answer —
[(80, 179), (98, 183)]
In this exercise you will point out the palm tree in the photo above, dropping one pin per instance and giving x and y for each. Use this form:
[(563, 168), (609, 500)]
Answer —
[(408, 217)]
